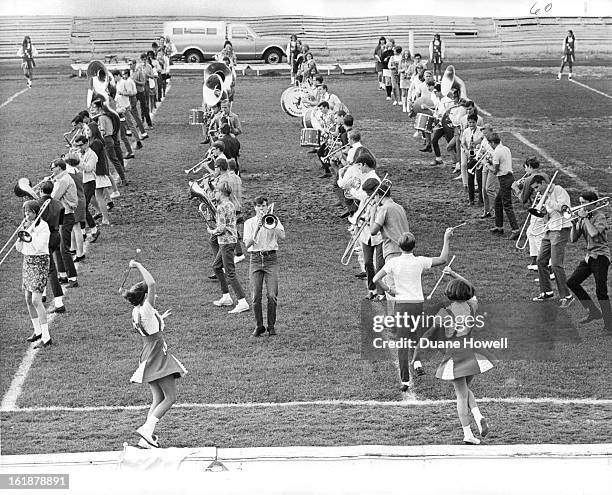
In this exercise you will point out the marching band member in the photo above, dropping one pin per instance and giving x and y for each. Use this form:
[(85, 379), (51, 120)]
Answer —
[(108, 123), (225, 235), (231, 147), (593, 225), (394, 63), (134, 100), (569, 44), (460, 364), (292, 51), (27, 52), (354, 137), (386, 57), (103, 176), (378, 66), (490, 183), (142, 85), (526, 195), (555, 239), (405, 69), (87, 166), (227, 52), (35, 271), (436, 55), (417, 85), (332, 100), (53, 215), (157, 366), (262, 244), (501, 166), (371, 245), (471, 138), (389, 219), (443, 103), (350, 178), (327, 121), (126, 89), (65, 191), (228, 175), (470, 108), (405, 270), (226, 116)]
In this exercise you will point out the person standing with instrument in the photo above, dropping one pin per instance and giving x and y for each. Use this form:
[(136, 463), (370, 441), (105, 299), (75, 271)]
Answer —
[(557, 233), (389, 219), (53, 215), (569, 46), (525, 193), (593, 226), (471, 138), (35, 269), (406, 269), (261, 240), (27, 52), (157, 366), (226, 236), (65, 191), (371, 245)]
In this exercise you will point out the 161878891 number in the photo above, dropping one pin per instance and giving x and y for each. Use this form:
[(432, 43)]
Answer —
[(34, 481)]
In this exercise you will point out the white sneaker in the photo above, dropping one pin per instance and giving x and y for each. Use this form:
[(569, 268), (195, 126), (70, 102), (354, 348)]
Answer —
[(570, 77), (388, 98), (559, 76), (240, 307), (29, 83), (533, 268), (395, 103), (115, 194), (416, 134), (471, 440), (225, 300), (238, 259), (147, 437)]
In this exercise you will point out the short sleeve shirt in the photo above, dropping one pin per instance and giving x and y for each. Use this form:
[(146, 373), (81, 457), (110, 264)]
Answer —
[(406, 271)]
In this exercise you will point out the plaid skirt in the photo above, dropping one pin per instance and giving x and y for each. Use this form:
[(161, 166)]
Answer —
[(35, 272), (155, 361)]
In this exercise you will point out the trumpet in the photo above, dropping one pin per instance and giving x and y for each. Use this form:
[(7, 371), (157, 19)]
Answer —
[(360, 222), (23, 234), (269, 221), (202, 163)]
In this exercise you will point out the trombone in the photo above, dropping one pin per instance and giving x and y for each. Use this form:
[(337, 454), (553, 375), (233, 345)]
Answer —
[(334, 151), (572, 213), (537, 209), (24, 235), (486, 155), (202, 163), (523, 244), (360, 220)]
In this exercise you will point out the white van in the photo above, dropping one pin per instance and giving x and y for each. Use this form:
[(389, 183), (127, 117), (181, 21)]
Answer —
[(197, 41)]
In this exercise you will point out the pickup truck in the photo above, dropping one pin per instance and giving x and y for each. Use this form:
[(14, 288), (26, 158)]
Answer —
[(197, 41)]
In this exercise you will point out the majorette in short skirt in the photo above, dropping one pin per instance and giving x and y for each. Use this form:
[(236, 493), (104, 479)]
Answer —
[(155, 361), (458, 363), (35, 272)]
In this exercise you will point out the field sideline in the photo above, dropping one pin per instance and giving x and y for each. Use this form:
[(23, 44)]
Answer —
[(77, 396)]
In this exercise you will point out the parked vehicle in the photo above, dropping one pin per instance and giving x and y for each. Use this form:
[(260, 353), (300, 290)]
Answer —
[(197, 41)]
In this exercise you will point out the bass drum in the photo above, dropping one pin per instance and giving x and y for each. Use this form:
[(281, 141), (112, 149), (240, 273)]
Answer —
[(295, 101), (312, 119)]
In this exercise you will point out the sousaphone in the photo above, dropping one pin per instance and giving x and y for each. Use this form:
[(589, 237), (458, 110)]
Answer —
[(450, 81)]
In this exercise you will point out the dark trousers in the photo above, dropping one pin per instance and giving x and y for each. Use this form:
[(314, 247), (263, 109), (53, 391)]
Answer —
[(224, 259), (471, 188), (144, 107), (553, 249), (133, 102), (404, 355), (63, 258), (89, 188), (598, 267), (111, 149), (435, 137), (54, 246), (321, 152), (124, 137), (372, 268), (264, 268), (503, 202), (239, 220)]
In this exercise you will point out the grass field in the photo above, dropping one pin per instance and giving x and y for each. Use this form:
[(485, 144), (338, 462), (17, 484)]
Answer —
[(316, 356)]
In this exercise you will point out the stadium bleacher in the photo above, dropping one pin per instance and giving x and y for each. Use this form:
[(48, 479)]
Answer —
[(331, 39)]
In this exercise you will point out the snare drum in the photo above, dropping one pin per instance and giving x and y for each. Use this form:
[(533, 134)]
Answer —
[(424, 122), (196, 116), (310, 137), (312, 119)]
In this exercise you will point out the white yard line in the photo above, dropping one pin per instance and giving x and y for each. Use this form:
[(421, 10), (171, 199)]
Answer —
[(13, 97), (592, 89), (287, 405)]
